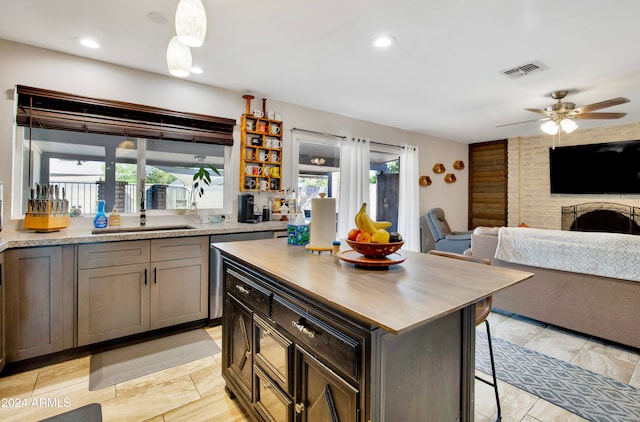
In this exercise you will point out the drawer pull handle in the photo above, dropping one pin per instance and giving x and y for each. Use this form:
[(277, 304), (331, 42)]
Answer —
[(304, 330), (299, 408), (242, 289)]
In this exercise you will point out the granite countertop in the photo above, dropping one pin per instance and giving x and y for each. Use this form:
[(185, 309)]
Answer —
[(153, 230), (421, 289)]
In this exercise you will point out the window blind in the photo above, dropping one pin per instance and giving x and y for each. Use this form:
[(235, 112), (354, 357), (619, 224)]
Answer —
[(41, 108)]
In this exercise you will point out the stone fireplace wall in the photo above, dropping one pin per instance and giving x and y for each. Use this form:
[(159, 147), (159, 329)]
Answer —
[(529, 197)]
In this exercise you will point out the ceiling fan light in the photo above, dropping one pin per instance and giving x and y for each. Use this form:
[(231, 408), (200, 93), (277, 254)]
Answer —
[(568, 125), (191, 22), (550, 127), (178, 58)]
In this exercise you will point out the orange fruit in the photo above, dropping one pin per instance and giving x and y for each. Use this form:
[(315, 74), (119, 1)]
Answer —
[(363, 237)]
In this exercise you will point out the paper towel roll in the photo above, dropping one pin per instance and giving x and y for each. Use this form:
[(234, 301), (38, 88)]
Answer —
[(323, 223)]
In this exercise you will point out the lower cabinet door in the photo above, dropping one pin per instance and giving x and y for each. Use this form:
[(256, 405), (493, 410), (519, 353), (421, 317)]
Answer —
[(322, 395), (237, 353), (112, 302), (272, 403), (179, 291)]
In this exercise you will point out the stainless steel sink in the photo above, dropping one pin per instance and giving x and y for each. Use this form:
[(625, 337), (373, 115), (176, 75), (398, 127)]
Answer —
[(133, 229)]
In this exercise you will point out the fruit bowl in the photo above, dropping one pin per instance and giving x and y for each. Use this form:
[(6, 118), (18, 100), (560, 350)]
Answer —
[(375, 250)]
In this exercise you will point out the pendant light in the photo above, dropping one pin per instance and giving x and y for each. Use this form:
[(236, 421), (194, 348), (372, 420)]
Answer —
[(191, 22), (178, 58)]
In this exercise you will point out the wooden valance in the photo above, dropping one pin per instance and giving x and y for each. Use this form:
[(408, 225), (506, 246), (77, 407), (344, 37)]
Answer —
[(41, 108)]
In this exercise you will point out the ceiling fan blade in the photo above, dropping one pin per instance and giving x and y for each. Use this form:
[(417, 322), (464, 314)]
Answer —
[(597, 115), (537, 110), (526, 121), (602, 104)]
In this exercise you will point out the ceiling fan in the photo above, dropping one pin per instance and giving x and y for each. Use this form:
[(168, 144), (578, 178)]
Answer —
[(560, 114)]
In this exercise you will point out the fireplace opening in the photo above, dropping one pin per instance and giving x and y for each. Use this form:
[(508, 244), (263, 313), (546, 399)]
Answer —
[(601, 217)]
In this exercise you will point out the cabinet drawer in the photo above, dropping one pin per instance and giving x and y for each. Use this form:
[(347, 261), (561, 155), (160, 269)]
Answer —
[(109, 254), (179, 248), (256, 297), (326, 342)]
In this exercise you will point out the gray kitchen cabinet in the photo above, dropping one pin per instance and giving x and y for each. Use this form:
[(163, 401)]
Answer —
[(163, 283), (39, 292), (3, 358)]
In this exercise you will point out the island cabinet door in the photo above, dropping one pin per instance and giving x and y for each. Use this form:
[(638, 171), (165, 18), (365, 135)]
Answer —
[(237, 347), (321, 395)]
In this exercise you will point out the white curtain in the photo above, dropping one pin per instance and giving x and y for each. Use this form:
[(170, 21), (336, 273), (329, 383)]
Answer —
[(408, 198), (354, 182)]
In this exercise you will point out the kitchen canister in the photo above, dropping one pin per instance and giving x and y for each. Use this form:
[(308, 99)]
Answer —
[(323, 224)]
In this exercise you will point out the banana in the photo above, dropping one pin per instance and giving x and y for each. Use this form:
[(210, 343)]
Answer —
[(382, 224), (367, 223), (363, 210)]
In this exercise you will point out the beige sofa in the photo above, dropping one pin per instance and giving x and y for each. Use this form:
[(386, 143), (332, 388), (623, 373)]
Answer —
[(603, 307)]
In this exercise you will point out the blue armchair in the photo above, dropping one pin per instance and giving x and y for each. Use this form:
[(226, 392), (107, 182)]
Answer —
[(437, 234)]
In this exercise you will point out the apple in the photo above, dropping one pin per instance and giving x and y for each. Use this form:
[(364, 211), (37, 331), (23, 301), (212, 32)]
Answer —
[(353, 234)]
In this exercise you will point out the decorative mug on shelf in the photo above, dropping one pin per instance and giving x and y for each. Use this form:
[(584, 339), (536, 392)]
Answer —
[(264, 184), (274, 158), (258, 113), (263, 156), (251, 154), (253, 170), (250, 125), (274, 171), (262, 127), (274, 143), (249, 183), (275, 129)]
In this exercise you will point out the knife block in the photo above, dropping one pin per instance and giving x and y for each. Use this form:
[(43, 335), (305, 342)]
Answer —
[(49, 221)]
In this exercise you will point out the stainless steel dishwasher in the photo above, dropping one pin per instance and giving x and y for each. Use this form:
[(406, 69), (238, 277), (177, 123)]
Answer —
[(216, 277)]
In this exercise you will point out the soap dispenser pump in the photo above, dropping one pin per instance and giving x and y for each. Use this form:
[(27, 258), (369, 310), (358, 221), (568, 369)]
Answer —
[(100, 221)]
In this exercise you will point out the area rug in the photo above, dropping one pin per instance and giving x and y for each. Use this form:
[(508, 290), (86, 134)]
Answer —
[(89, 413), (587, 394), (126, 363)]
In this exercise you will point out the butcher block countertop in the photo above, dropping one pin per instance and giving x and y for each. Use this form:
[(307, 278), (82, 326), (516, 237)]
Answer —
[(420, 290)]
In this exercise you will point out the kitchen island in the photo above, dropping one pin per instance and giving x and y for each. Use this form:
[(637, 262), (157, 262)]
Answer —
[(310, 334)]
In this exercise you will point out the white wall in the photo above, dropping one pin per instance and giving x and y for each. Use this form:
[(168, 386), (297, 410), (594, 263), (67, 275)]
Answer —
[(25, 65), (530, 198)]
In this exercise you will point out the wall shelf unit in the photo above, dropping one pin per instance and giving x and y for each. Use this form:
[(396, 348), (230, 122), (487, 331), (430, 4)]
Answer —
[(260, 154)]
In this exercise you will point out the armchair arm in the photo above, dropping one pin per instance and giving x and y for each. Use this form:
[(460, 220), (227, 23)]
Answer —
[(456, 237)]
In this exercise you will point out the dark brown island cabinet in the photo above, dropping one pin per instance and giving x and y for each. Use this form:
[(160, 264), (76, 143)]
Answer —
[(299, 345)]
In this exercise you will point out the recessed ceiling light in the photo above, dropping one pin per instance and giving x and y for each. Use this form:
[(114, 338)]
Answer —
[(88, 42), (197, 70), (383, 41)]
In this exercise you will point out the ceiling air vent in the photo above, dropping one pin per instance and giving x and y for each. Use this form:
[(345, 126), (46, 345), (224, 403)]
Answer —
[(525, 69)]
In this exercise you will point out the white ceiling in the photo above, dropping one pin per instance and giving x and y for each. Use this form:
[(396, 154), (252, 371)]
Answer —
[(442, 77)]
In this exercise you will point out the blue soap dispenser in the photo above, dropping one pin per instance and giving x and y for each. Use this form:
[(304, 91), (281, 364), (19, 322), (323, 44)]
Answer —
[(100, 221)]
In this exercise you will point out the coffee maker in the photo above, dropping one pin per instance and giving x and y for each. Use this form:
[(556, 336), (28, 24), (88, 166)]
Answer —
[(245, 209)]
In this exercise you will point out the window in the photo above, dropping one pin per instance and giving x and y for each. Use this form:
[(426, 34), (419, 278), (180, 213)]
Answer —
[(118, 152), (318, 169), (91, 167)]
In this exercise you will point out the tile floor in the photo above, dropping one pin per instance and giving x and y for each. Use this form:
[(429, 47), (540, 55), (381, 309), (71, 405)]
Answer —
[(195, 391)]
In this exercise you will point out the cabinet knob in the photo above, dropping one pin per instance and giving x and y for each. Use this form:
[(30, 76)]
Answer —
[(242, 289), (299, 408), (304, 330)]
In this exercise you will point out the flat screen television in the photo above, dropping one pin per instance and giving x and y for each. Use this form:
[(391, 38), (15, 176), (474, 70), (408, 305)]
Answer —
[(610, 167)]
